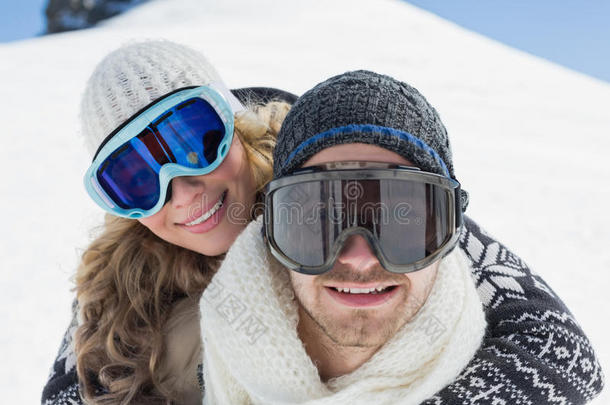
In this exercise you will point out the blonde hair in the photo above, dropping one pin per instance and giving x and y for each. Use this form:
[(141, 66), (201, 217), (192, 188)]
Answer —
[(129, 279)]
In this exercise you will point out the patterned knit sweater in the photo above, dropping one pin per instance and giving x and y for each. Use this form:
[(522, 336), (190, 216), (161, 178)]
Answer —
[(533, 353)]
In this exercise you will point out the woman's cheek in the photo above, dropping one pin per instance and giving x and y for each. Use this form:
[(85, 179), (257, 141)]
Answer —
[(155, 222)]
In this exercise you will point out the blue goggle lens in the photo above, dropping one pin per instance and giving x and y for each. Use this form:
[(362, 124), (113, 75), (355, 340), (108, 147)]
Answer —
[(188, 134)]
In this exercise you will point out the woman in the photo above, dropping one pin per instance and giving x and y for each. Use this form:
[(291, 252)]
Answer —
[(135, 271)]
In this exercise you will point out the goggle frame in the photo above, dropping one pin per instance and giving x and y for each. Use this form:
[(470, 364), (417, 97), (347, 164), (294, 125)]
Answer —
[(137, 123), (365, 171)]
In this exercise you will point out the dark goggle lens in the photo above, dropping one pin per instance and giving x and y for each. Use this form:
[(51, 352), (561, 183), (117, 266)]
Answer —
[(188, 134), (410, 220)]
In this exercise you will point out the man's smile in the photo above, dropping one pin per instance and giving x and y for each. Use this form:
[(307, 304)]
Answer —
[(362, 297)]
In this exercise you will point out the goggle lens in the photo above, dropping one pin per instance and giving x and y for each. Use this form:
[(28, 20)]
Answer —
[(188, 134), (408, 220)]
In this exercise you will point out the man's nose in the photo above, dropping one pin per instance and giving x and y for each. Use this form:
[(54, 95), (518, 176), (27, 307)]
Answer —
[(186, 190), (357, 254)]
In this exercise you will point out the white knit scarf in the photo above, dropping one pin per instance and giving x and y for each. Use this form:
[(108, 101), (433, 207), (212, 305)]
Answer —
[(253, 355)]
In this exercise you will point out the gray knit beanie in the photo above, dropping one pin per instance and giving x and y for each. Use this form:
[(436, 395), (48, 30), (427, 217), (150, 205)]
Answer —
[(133, 76), (363, 107)]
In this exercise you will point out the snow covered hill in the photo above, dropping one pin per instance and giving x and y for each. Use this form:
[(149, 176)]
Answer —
[(530, 138)]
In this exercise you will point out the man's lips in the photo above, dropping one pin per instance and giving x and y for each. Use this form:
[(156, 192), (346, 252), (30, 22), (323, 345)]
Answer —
[(371, 285), (359, 295)]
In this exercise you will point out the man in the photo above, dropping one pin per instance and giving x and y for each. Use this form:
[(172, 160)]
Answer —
[(378, 304)]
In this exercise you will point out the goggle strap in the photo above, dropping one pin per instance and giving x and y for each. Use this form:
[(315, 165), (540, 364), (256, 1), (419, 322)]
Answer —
[(461, 203), (235, 104)]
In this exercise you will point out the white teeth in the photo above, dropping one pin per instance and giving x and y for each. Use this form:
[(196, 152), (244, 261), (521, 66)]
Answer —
[(374, 290), (209, 213)]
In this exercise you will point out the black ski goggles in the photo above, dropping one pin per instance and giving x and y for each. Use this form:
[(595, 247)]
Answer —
[(409, 218)]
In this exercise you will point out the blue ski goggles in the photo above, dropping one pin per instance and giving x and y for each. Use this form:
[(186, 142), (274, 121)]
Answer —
[(186, 133)]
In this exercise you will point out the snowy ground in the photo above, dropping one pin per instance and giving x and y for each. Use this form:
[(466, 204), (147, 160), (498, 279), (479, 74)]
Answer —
[(530, 143)]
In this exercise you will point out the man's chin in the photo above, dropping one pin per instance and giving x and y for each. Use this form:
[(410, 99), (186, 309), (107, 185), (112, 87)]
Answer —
[(360, 329)]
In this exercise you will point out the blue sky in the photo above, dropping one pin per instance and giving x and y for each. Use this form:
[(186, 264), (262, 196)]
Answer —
[(573, 33), (21, 19)]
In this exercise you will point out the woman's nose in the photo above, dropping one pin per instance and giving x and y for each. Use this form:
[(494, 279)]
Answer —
[(186, 190), (357, 254)]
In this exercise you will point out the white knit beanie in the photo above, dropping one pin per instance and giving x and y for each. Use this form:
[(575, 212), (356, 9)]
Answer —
[(131, 77)]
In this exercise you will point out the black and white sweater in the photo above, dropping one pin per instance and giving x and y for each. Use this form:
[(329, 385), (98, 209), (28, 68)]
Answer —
[(533, 352)]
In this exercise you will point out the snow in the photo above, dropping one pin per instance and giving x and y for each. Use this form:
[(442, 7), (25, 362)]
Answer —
[(530, 143)]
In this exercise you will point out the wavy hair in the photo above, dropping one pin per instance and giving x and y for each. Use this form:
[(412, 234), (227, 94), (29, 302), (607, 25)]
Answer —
[(129, 279)]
